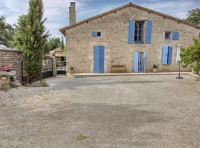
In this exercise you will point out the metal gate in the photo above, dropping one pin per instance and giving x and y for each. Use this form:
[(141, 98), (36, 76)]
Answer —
[(61, 67), (47, 69)]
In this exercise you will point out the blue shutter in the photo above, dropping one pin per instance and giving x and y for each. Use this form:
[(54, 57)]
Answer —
[(164, 54), (148, 31), (169, 55), (101, 59), (135, 63), (94, 34), (144, 60), (175, 35), (130, 31), (96, 59)]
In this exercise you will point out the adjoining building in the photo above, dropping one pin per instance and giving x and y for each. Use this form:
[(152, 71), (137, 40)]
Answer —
[(129, 35)]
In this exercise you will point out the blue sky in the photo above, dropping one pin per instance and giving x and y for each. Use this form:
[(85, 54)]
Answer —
[(57, 14)]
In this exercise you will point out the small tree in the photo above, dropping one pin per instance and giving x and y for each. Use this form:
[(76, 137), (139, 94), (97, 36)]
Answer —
[(191, 54)]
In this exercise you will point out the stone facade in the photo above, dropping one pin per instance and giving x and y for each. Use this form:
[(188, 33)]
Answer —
[(13, 57), (114, 37)]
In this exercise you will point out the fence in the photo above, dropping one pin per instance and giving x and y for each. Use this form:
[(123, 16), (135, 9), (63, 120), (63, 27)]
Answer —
[(61, 67), (47, 68)]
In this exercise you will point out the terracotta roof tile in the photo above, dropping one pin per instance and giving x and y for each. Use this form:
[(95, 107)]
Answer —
[(57, 50), (62, 30)]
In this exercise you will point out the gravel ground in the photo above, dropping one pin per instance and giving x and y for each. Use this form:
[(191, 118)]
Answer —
[(111, 112)]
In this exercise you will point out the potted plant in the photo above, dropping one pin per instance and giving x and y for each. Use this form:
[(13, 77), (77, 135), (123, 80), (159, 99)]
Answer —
[(71, 69), (155, 68)]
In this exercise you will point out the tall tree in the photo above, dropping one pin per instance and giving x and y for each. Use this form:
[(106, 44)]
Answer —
[(32, 38), (6, 32), (193, 16), (62, 46), (191, 54)]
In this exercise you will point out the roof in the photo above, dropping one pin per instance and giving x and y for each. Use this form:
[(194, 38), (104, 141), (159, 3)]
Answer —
[(57, 50), (62, 30)]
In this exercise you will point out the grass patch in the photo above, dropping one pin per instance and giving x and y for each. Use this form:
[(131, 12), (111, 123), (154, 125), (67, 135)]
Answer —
[(43, 83), (80, 137)]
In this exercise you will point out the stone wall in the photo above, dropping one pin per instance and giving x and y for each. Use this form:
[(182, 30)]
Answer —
[(4, 81), (13, 57), (114, 34)]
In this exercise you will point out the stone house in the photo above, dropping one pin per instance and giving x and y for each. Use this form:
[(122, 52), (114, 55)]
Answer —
[(129, 35)]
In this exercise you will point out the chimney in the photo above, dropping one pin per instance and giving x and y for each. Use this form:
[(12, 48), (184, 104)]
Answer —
[(72, 13)]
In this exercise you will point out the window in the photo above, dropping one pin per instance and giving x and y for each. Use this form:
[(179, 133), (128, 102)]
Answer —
[(98, 34), (138, 36), (166, 54), (167, 35), (136, 31), (171, 35)]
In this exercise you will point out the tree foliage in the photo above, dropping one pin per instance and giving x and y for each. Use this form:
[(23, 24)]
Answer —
[(31, 37), (52, 44), (6, 32), (20, 32), (191, 55), (193, 16)]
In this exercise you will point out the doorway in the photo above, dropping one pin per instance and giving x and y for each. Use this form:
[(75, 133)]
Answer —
[(139, 62), (98, 59)]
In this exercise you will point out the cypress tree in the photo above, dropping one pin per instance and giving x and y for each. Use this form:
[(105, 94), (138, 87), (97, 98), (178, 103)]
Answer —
[(62, 46), (33, 40)]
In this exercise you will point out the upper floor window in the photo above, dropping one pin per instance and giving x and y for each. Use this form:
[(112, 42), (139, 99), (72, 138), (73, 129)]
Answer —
[(171, 35), (167, 35), (96, 34), (138, 36), (137, 33)]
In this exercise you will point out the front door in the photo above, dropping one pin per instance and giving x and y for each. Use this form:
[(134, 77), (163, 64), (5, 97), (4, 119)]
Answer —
[(98, 59), (139, 62)]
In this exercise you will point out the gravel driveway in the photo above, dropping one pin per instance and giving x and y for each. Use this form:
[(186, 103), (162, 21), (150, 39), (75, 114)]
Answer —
[(111, 112)]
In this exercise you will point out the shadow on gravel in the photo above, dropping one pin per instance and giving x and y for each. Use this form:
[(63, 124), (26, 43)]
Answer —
[(105, 126), (73, 83)]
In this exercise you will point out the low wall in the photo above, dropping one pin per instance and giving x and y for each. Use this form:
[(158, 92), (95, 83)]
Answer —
[(4, 81), (13, 57)]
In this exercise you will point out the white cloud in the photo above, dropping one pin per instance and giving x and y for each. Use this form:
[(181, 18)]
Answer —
[(181, 15), (174, 8)]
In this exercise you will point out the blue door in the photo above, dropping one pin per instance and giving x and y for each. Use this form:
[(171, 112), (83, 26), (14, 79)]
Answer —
[(98, 59), (139, 62), (135, 62)]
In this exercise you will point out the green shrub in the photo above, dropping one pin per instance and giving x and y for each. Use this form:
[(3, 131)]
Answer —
[(194, 67), (71, 68), (155, 66)]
